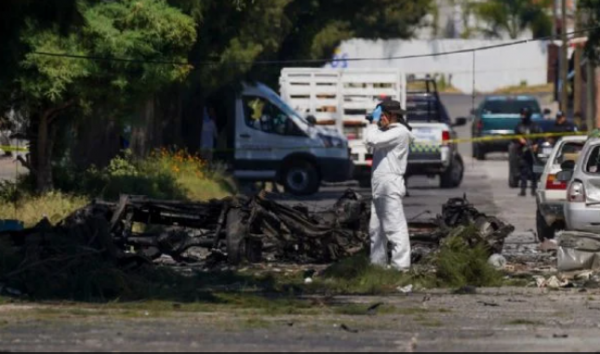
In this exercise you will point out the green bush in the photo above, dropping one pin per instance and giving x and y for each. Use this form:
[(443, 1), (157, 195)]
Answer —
[(165, 174), (458, 264)]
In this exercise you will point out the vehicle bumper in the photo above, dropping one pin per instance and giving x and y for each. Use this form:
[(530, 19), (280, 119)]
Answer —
[(552, 212), (499, 145), (423, 163), (335, 169), (580, 217)]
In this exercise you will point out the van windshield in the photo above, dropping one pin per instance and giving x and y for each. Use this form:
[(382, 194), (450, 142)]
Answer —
[(285, 107)]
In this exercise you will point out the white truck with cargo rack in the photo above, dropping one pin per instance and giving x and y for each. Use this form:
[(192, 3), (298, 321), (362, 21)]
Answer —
[(341, 99)]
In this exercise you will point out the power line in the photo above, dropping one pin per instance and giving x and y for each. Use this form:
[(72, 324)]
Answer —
[(312, 61)]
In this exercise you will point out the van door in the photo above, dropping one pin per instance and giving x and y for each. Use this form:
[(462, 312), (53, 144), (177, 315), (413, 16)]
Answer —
[(265, 135)]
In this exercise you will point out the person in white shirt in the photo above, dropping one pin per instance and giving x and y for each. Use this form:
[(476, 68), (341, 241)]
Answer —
[(390, 137)]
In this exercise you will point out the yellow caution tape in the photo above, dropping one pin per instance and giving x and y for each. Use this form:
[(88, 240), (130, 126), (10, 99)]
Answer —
[(415, 147), (9, 148)]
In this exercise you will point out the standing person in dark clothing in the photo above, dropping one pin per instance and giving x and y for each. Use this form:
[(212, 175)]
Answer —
[(561, 126), (526, 148)]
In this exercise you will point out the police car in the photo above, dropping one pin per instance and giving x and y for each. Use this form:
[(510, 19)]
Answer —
[(433, 151)]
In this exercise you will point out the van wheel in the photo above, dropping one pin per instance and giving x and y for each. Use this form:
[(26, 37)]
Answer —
[(453, 176), (301, 178), (544, 232)]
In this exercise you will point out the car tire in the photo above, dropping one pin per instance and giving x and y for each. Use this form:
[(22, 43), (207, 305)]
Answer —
[(479, 152), (301, 178), (364, 183), (453, 176), (544, 232)]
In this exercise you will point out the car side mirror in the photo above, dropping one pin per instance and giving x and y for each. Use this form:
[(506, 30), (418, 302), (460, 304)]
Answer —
[(547, 111), (312, 120), (568, 166), (564, 176), (460, 121)]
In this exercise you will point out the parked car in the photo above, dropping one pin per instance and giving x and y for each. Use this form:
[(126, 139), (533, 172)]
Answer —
[(551, 193), (582, 206), (499, 115)]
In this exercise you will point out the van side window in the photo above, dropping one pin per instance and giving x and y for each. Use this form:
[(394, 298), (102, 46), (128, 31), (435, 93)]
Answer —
[(593, 162), (260, 114)]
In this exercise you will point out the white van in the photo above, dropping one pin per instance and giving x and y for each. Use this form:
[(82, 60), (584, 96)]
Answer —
[(274, 143)]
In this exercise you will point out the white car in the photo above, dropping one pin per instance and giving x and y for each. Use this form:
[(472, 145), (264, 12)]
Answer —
[(551, 193), (582, 207)]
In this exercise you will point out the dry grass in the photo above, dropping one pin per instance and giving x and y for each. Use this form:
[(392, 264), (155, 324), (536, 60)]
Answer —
[(55, 206), (525, 89)]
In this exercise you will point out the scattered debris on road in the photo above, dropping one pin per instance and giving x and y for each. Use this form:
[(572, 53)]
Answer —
[(578, 250)]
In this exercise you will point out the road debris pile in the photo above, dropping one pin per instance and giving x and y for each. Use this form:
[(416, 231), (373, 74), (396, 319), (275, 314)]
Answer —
[(137, 230), (459, 218)]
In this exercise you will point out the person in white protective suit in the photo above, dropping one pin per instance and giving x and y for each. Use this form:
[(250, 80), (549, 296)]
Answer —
[(389, 136)]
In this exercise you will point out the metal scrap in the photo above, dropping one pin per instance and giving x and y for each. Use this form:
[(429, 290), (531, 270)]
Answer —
[(243, 229), (578, 250)]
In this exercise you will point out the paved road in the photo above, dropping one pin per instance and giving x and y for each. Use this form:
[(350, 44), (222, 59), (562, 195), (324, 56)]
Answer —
[(9, 169)]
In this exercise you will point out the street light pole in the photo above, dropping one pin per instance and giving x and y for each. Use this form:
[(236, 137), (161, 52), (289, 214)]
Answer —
[(564, 98)]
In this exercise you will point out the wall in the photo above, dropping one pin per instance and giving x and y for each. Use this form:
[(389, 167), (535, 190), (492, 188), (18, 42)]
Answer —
[(495, 68)]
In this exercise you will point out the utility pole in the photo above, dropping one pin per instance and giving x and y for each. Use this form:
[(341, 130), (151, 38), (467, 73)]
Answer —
[(555, 69), (577, 65), (590, 77), (554, 20), (564, 98)]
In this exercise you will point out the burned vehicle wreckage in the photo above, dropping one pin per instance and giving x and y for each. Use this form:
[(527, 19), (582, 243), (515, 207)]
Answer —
[(244, 229)]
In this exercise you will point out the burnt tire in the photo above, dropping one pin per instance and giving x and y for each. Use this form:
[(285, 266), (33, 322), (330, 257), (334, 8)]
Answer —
[(544, 231), (453, 176), (301, 178)]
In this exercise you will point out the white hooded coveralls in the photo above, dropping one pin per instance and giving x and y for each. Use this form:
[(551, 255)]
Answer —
[(388, 223)]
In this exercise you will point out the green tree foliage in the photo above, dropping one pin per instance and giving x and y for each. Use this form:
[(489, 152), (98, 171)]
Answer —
[(222, 40), (56, 87), (237, 33), (515, 16)]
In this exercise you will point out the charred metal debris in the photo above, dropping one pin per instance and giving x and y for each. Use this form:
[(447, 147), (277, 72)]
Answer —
[(237, 230)]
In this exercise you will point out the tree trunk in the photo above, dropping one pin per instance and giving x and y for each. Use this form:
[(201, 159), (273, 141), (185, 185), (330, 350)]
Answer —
[(43, 167), (142, 137), (42, 133)]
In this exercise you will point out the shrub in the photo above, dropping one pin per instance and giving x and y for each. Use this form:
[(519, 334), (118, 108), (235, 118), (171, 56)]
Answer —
[(165, 174)]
